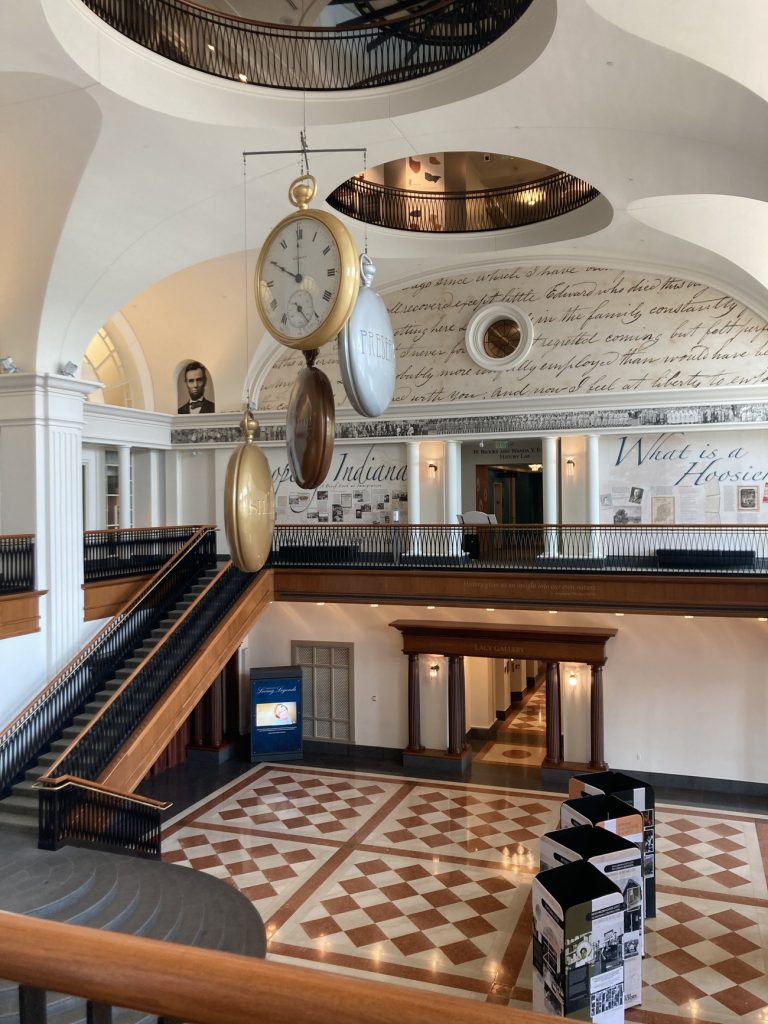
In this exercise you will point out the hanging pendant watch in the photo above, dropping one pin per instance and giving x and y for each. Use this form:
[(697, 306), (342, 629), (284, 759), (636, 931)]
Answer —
[(367, 349)]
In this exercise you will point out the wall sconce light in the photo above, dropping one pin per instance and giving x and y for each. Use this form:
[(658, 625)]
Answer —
[(432, 467), (572, 680), (535, 467), (8, 365), (570, 466), (69, 369), (434, 668)]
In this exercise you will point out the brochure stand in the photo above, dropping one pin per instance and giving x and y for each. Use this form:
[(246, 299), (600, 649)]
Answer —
[(578, 916), (639, 795), (622, 862)]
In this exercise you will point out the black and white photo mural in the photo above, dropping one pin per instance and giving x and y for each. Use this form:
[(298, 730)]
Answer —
[(195, 389)]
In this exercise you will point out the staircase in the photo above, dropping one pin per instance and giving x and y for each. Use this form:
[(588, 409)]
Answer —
[(119, 894), (20, 809)]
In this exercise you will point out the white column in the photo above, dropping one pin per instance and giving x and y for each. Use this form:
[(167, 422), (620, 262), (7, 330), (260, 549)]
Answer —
[(124, 486), (414, 482), (41, 430), (452, 481), (593, 492), (549, 488)]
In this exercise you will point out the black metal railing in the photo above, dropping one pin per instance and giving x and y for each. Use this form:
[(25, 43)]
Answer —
[(97, 662), (102, 739), (721, 550), (312, 58), (17, 563), (73, 813), (491, 209), (108, 554)]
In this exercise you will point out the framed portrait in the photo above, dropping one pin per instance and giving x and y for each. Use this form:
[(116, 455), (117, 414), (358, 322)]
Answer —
[(747, 499)]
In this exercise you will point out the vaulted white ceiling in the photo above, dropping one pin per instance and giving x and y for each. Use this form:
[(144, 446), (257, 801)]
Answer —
[(123, 185)]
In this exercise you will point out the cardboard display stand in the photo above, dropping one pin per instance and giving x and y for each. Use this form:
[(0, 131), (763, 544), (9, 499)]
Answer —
[(639, 795), (621, 861), (578, 947)]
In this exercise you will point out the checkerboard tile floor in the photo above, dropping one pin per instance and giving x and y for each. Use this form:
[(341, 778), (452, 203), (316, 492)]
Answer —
[(532, 716), (429, 885)]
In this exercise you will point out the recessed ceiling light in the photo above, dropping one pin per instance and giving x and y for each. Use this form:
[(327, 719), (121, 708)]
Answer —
[(490, 609), (430, 607), (374, 606), (320, 604), (687, 616), (553, 613), (619, 615), (762, 619)]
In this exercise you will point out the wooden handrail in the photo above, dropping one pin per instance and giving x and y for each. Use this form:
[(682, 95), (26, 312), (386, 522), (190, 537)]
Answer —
[(62, 781), (208, 987), (134, 599), (16, 536), (150, 654)]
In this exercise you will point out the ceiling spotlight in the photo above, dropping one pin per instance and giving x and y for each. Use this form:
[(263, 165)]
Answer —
[(8, 365), (69, 369)]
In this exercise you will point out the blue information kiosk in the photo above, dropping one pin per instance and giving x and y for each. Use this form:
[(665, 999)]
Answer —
[(276, 713)]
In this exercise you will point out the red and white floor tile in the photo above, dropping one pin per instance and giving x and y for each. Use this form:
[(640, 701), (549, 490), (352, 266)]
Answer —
[(429, 884)]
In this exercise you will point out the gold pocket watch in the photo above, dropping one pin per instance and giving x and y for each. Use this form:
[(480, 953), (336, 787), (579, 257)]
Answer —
[(307, 277)]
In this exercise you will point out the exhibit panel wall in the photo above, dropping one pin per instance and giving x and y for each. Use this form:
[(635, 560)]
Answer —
[(682, 696)]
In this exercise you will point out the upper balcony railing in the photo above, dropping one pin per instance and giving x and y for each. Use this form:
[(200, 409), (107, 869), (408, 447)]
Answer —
[(487, 209), (109, 554), (17, 563), (650, 550), (312, 58)]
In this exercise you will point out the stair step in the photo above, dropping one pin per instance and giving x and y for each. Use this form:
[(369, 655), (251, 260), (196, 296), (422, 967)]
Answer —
[(20, 806), (11, 820)]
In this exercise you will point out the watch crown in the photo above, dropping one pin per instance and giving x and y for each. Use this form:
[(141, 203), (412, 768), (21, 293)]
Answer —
[(249, 425), (302, 191)]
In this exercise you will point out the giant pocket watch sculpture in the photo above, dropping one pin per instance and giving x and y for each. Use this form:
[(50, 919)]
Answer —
[(367, 349), (306, 285), (307, 276), (249, 502)]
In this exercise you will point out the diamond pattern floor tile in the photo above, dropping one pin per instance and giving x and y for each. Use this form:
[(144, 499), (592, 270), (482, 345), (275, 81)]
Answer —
[(429, 885)]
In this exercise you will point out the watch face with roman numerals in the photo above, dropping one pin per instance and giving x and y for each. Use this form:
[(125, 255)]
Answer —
[(300, 277)]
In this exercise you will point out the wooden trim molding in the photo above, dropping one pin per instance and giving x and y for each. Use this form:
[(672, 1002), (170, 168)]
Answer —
[(20, 613), (499, 640), (104, 598), (584, 591)]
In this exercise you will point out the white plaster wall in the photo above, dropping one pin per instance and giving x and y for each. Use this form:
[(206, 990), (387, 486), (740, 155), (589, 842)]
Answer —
[(197, 486), (681, 696), (480, 692)]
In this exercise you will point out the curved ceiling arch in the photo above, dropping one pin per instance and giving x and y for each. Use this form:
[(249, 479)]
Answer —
[(734, 227), (54, 130), (730, 38), (159, 84)]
